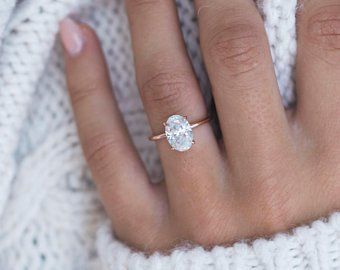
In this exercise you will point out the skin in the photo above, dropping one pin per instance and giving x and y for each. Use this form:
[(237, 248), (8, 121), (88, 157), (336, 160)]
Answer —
[(273, 171)]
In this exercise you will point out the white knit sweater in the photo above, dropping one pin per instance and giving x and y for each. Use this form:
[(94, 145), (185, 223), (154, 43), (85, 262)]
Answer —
[(49, 209)]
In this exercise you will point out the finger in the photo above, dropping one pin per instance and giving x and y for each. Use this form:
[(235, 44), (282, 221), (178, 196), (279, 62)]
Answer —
[(168, 87), (318, 69), (114, 163), (240, 68)]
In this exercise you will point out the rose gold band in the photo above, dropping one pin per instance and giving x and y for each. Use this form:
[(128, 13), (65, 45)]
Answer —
[(194, 125)]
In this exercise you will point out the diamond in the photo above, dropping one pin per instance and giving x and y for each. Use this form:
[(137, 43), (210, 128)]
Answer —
[(179, 133)]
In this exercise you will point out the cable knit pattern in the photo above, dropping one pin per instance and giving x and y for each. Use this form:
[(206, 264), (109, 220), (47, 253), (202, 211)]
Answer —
[(275, 12), (49, 209)]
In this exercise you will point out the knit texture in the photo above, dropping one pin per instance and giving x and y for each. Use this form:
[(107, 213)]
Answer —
[(313, 247), (49, 209)]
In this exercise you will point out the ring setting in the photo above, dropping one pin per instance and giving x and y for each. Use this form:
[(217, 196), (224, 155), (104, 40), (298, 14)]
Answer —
[(179, 132)]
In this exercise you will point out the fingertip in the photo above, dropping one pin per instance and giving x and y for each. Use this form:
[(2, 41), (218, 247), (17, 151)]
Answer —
[(72, 36), (76, 37)]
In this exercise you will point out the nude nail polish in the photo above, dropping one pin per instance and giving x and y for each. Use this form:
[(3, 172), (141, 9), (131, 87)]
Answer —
[(71, 36)]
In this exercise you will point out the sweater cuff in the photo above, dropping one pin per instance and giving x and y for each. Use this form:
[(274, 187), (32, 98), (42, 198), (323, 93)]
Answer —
[(316, 246)]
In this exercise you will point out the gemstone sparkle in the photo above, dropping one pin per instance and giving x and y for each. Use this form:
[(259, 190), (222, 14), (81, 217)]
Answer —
[(179, 133)]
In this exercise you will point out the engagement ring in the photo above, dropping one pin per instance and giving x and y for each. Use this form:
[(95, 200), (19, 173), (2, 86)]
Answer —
[(179, 132)]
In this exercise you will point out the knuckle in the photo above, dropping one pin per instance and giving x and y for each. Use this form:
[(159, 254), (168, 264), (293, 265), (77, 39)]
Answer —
[(166, 92), (237, 47), (82, 92), (141, 3), (98, 150), (323, 31)]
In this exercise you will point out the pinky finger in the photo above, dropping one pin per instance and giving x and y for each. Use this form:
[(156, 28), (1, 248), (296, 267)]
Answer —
[(116, 167)]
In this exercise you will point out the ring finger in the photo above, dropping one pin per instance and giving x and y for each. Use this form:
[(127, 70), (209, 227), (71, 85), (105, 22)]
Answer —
[(168, 86)]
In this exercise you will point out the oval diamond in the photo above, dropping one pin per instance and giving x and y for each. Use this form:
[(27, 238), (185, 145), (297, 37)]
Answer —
[(179, 133)]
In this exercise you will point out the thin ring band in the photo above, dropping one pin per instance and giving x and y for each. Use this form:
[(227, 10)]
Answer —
[(194, 125)]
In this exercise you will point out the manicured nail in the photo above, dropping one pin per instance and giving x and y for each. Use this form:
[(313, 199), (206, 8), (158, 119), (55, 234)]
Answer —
[(71, 36)]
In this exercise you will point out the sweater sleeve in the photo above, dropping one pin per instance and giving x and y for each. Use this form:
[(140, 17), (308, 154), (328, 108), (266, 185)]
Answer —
[(312, 247)]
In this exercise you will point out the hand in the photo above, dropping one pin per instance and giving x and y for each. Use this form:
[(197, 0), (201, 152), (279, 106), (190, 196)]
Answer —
[(274, 171)]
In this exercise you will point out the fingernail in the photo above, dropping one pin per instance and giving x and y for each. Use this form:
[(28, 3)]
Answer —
[(71, 36)]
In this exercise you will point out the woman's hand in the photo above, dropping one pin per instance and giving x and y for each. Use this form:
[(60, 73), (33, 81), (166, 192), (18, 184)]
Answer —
[(274, 170)]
